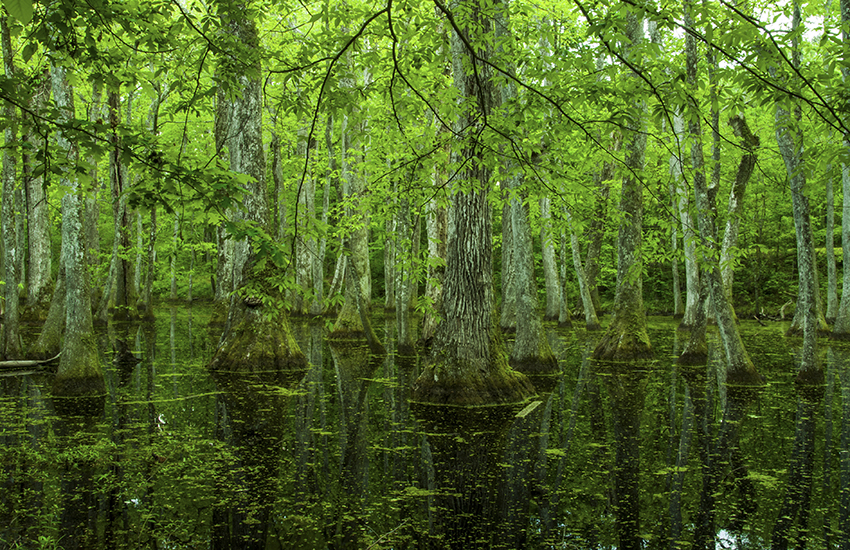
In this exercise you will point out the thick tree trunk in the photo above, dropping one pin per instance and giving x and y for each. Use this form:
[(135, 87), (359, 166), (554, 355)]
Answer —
[(550, 269), (468, 364), (12, 348), (626, 338), (79, 370), (257, 337), (596, 228)]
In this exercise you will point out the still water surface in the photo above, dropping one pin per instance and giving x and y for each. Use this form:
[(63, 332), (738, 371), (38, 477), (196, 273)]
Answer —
[(335, 456)]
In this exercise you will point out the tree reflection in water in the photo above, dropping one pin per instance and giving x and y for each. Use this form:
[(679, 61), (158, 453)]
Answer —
[(335, 456)]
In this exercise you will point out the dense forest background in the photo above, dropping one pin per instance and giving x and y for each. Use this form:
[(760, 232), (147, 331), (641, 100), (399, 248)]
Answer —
[(361, 148)]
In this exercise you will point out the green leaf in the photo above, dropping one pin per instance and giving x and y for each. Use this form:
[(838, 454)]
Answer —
[(19, 9)]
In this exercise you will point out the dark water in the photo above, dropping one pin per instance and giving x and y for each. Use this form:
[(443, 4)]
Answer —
[(336, 457)]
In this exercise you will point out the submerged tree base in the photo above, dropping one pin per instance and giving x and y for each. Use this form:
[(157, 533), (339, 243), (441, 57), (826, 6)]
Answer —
[(69, 386), (535, 365), (258, 342), (626, 342), (444, 382)]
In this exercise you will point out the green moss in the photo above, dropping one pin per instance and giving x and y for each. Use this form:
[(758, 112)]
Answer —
[(259, 342)]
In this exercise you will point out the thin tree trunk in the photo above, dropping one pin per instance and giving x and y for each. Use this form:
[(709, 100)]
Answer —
[(682, 200), (739, 367), (591, 322), (750, 143), (789, 137), (550, 270)]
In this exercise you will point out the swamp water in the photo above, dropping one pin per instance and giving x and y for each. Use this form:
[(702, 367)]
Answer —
[(335, 456)]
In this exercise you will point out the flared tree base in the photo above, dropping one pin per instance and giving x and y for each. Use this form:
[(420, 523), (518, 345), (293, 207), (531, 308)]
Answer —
[(258, 343), (445, 382), (744, 377), (624, 345)]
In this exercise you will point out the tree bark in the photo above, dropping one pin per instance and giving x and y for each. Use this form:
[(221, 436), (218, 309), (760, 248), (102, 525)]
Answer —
[(682, 200), (750, 143), (789, 137), (257, 336), (550, 269), (79, 372), (468, 364), (12, 348), (40, 255), (591, 322), (626, 338), (739, 367)]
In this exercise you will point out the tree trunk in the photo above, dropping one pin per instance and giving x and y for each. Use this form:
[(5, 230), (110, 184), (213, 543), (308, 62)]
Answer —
[(49, 342), (79, 372), (435, 226), (507, 317), (40, 256), (304, 243), (789, 137), (739, 366), (736, 197), (626, 338), (550, 269), (831, 270), (349, 322), (591, 322), (468, 365), (12, 348), (682, 200), (257, 336)]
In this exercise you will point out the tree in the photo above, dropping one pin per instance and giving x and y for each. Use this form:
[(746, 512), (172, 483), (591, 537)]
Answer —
[(258, 336), (626, 338), (79, 372), (468, 364)]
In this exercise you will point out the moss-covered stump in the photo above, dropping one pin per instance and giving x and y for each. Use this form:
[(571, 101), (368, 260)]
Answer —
[(445, 381), (258, 341)]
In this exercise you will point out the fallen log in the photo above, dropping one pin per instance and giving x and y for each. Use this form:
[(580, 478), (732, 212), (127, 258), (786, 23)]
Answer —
[(26, 363)]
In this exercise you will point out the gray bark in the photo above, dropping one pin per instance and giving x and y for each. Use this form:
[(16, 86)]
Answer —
[(739, 366), (831, 269), (435, 226), (305, 244), (467, 365), (841, 330), (750, 143), (79, 371), (550, 269), (591, 321), (627, 338), (682, 200), (507, 318), (40, 256), (789, 137), (12, 348)]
